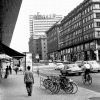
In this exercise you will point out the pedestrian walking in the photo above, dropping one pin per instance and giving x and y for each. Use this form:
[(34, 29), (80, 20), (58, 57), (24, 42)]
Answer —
[(6, 72), (29, 80), (38, 72), (16, 69), (10, 69)]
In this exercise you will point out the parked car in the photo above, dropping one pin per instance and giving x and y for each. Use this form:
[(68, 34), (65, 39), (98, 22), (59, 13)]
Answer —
[(59, 66), (95, 65), (73, 69), (79, 63)]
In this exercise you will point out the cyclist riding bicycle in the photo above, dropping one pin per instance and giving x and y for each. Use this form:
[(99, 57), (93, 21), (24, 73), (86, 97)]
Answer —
[(86, 69)]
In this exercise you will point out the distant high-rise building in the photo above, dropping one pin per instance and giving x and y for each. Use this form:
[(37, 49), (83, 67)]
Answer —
[(39, 24)]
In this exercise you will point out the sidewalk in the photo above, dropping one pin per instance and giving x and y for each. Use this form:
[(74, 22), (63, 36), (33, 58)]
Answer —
[(13, 88)]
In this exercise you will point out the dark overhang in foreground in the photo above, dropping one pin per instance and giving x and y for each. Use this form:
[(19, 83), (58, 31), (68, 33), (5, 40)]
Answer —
[(10, 52)]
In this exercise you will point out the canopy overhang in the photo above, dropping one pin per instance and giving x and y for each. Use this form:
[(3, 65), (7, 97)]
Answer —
[(10, 52)]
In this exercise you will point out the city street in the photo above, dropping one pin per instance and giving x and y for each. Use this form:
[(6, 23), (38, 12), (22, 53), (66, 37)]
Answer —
[(95, 86), (50, 38), (13, 88)]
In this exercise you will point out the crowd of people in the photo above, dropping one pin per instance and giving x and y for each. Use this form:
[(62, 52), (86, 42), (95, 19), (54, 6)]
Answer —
[(9, 69)]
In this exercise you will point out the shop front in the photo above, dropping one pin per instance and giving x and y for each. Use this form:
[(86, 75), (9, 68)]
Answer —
[(10, 52)]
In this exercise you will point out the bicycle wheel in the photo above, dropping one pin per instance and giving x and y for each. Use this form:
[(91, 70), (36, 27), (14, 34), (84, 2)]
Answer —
[(83, 79), (50, 85), (75, 88), (89, 80), (46, 83), (52, 88), (56, 88), (68, 88)]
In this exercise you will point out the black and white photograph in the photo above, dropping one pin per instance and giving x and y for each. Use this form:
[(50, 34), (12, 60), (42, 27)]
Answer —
[(49, 49)]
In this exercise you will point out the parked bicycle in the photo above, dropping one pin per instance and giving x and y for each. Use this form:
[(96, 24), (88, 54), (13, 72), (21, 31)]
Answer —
[(87, 80), (54, 84), (68, 85)]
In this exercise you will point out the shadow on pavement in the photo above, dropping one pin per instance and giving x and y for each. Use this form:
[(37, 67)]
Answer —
[(94, 98)]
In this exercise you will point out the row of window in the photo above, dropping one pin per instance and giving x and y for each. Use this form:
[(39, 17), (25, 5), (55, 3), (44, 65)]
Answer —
[(78, 24), (95, 6), (74, 34), (77, 40), (87, 27), (78, 16), (52, 40), (79, 48), (86, 19), (88, 9), (51, 34), (37, 22)]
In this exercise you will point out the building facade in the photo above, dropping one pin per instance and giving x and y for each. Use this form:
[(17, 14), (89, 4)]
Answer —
[(39, 24), (80, 32), (39, 47), (43, 47), (53, 42)]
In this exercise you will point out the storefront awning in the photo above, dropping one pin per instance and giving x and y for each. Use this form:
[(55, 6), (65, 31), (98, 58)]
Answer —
[(10, 52)]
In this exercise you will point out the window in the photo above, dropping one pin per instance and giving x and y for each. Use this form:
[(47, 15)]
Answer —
[(98, 24), (92, 25), (98, 32), (89, 17), (97, 15), (89, 26), (98, 42), (92, 16), (96, 6)]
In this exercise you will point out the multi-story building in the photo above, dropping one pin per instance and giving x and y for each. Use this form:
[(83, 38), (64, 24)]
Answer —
[(39, 24), (80, 32), (43, 47), (53, 41), (40, 47)]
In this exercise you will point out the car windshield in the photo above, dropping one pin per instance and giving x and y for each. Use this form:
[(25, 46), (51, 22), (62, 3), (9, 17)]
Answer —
[(71, 66), (93, 62)]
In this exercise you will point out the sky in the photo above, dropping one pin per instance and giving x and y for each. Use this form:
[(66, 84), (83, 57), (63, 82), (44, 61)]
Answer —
[(21, 32)]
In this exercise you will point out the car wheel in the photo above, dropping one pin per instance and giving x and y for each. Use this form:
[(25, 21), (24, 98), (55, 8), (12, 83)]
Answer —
[(79, 73), (99, 71), (76, 73), (67, 73)]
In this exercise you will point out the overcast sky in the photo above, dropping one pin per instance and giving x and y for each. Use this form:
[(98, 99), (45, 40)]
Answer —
[(30, 7)]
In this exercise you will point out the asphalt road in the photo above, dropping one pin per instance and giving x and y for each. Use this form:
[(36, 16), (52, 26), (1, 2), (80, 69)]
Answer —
[(95, 86)]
